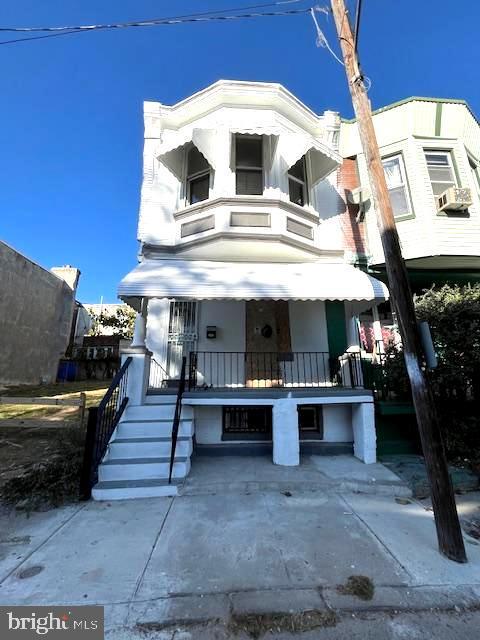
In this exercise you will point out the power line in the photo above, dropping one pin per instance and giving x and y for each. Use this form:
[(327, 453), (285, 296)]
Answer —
[(205, 16), (358, 12)]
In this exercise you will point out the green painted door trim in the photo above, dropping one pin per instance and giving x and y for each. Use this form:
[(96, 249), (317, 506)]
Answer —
[(336, 327), (438, 118)]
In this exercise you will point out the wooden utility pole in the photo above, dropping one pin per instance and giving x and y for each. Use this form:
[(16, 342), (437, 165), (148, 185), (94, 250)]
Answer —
[(449, 533)]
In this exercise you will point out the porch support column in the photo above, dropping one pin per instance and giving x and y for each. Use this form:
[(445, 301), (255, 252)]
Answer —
[(364, 435), (286, 443), (139, 369)]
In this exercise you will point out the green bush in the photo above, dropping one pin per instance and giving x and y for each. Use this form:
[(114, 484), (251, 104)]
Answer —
[(453, 314)]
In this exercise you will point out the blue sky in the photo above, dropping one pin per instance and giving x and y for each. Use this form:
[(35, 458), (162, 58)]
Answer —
[(71, 107)]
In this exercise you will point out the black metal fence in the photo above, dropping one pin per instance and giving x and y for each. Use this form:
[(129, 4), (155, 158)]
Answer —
[(257, 370), (101, 424)]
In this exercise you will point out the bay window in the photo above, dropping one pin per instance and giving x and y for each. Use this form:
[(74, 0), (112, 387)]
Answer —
[(249, 165), (440, 170), (297, 183), (198, 176), (396, 178)]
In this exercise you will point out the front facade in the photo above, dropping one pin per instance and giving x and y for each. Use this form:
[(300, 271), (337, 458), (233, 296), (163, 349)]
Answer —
[(247, 269), (258, 251)]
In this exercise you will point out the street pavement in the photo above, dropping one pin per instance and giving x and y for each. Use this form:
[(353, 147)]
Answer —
[(262, 542)]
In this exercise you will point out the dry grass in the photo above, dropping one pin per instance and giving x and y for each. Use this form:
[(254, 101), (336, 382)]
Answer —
[(93, 389), (360, 586), (41, 447)]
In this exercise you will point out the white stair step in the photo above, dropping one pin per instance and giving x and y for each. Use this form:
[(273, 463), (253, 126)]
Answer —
[(152, 429), (160, 399), (129, 489), (155, 412), (142, 468), (148, 448)]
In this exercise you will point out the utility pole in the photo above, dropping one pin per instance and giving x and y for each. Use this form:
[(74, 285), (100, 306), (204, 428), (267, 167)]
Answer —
[(449, 533)]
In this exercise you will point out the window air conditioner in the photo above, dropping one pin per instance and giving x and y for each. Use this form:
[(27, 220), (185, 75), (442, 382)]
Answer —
[(454, 199)]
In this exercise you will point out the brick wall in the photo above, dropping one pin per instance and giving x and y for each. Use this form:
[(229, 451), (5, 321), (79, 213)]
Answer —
[(353, 232)]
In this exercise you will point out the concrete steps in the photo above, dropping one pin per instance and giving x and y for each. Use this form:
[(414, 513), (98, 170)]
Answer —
[(124, 490), (137, 462)]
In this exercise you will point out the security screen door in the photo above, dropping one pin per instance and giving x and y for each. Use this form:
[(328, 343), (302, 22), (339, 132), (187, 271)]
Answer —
[(182, 334)]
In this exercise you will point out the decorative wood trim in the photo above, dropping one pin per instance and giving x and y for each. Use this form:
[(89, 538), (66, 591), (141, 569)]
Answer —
[(255, 201)]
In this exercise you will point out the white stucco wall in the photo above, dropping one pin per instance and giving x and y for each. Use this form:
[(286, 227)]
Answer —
[(308, 330), (208, 425), (308, 326), (229, 318), (337, 423)]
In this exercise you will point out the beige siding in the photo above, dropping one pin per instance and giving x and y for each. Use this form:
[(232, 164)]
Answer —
[(409, 129)]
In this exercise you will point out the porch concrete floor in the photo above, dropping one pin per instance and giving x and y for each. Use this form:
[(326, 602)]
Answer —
[(203, 555)]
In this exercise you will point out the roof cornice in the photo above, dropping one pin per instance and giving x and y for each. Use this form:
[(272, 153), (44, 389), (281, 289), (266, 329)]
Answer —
[(400, 103)]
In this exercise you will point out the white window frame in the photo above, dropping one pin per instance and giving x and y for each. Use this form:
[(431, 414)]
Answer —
[(249, 168), (404, 184), (304, 183), (441, 152), (189, 178), (475, 171)]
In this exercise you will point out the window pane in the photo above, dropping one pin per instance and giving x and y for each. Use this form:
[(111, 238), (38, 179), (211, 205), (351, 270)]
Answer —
[(249, 152), (393, 173), (435, 159), (298, 170), (199, 188), (296, 192), (439, 187), (196, 162), (398, 198), (249, 182), (441, 174)]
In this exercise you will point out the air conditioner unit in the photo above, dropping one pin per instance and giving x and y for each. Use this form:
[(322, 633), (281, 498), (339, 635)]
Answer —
[(454, 199), (358, 195)]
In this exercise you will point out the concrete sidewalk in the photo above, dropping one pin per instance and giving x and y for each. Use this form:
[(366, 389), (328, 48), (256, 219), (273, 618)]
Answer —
[(253, 546)]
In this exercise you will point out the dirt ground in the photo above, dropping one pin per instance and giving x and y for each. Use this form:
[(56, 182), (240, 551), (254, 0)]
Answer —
[(32, 433)]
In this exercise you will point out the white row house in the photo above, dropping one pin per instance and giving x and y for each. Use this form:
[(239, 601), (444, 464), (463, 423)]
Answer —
[(254, 220)]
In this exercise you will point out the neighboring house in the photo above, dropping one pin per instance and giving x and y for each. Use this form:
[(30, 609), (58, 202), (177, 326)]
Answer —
[(429, 146), (247, 256), (36, 312)]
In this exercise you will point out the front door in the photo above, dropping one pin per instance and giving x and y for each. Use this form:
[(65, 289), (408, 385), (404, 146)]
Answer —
[(267, 340)]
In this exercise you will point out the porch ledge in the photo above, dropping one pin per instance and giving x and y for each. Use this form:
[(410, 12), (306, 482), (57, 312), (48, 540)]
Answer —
[(268, 396)]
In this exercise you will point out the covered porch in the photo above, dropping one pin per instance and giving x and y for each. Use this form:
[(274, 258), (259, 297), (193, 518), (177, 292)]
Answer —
[(272, 352)]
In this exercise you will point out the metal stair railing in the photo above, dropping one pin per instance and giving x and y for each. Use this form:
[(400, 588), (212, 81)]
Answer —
[(102, 421), (176, 419)]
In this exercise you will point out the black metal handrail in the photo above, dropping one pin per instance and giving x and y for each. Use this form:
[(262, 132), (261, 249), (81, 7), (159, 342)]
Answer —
[(157, 376), (102, 421), (176, 419), (257, 370)]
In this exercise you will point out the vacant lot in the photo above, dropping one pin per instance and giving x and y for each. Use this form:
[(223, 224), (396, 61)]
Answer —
[(34, 439)]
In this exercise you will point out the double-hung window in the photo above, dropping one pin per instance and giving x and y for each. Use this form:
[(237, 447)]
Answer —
[(198, 176), (249, 165), (395, 175), (440, 170), (297, 183)]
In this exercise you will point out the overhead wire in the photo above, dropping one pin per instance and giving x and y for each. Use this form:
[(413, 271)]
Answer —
[(205, 16)]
